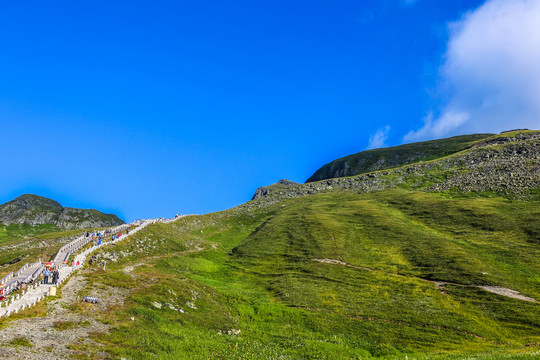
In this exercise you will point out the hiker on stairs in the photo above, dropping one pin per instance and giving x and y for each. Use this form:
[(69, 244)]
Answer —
[(46, 274), (55, 275)]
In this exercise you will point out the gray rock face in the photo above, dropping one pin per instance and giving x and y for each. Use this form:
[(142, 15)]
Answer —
[(507, 166), (35, 210), (265, 190)]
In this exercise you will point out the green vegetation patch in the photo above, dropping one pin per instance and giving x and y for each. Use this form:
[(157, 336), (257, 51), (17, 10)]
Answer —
[(63, 325), (21, 341), (20, 231), (332, 276)]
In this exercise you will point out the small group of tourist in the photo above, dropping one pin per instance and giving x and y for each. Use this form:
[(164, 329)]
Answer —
[(53, 273)]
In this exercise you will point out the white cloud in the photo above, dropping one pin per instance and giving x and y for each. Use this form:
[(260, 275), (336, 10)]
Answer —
[(446, 124), (491, 71), (378, 139)]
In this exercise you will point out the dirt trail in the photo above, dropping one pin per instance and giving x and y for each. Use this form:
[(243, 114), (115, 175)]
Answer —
[(507, 292), (49, 343), (342, 263), (65, 328), (499, 290)]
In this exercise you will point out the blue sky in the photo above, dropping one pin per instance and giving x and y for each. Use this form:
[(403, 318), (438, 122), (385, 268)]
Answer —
[(149, 108)]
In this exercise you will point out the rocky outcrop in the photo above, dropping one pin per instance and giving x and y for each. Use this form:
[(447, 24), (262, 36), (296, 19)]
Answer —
[(34, 210), (265, 190), (505, 166), (387, 158)]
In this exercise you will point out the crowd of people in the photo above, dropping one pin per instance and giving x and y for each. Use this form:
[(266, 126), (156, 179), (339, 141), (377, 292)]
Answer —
[(53, 273), (97, 236)]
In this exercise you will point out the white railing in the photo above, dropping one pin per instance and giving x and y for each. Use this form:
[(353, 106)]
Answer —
[(11, 282), (10, 286), (76, 244), (21, 270), (166, 221), (81, 257), (6, 278), (33, 276)]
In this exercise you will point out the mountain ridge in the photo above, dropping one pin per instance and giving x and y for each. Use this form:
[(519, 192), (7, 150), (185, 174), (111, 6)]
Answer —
[(394, 156), (395, 263), (35, 210), (506, 164)]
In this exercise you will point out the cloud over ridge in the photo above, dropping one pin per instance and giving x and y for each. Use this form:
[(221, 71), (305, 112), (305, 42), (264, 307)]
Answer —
[(491, 72), (378, 139)]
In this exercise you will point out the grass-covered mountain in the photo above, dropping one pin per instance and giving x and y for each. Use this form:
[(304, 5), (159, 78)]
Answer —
[(422, 261), (338, 275), (37, 210), (385, 158)]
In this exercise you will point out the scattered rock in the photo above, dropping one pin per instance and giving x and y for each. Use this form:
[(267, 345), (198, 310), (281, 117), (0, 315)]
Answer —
[(191, 305), (156, 304)]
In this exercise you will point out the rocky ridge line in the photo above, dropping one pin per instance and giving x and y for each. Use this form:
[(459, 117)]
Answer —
[(507, 166)]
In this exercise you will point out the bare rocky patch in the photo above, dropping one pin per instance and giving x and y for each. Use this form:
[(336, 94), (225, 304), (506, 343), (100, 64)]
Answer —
[(64, 329), (342, 263), (499, 290)]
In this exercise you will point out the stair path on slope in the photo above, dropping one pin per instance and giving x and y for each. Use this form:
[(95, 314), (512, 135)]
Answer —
[(27, 273), (37, 292), (73, 246)]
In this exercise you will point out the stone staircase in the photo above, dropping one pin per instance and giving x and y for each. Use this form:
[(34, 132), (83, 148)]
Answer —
[(31, 272)]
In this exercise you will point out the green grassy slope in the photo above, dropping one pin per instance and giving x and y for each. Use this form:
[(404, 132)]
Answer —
[(385, 158), (252, 284), (21, 231), (24, 243)]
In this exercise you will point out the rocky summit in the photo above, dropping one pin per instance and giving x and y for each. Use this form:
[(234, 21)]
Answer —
[(35, 210), (265, 190), (506, 165)]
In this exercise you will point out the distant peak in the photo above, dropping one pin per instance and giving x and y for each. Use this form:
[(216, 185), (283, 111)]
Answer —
[(34, 209), (32, 197), (31, 200), (286, 182)]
